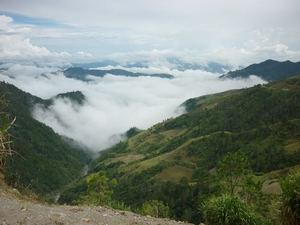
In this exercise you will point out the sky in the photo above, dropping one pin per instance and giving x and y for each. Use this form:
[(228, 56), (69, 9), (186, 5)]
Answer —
[(229, 31), (38, 39)]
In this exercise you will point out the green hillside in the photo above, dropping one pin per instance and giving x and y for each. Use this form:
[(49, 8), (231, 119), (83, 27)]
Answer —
[(174, 160), (44, 161), (269, 70)]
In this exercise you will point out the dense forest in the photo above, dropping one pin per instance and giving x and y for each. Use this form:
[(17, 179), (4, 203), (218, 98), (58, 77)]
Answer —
[(177, 168), (43, 160)]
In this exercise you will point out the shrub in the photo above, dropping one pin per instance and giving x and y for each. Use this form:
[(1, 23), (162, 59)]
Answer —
[(228, 210), (155, 208), (5, 143), (290, 204)]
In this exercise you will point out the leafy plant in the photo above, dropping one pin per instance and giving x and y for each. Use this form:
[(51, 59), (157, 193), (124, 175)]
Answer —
[(5, 143), (290, 208), (100, 189), (228, 210), (231, 170), (155, 208)]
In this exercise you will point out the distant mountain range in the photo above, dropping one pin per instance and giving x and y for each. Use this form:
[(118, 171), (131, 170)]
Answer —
[(212, 67), (82, 74), (269, 70), (173, 63)]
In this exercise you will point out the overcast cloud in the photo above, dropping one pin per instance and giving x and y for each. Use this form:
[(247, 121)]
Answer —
[(241, 32)]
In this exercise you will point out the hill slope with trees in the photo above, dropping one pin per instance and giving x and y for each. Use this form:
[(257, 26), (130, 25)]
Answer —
[(269, 70), (44, 161), (174, 162)]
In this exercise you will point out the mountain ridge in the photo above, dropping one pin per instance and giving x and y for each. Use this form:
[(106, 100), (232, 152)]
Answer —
[(172, 160), (81, 74), (45, 161), (269, 70)]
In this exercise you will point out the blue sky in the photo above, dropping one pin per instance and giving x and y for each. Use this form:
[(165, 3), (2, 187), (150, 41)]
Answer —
[(238, 32), (28, 20)]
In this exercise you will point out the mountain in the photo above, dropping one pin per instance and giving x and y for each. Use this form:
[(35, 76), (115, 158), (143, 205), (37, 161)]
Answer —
[(212, 67), (173, 63), (81, 74), (269, 70), (173, 160), (44, 161), (75, 96), (96, 64)]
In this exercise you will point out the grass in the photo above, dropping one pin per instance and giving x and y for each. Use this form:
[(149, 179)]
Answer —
[(292, 146), (173, 133), (125, 158), (175, 173)]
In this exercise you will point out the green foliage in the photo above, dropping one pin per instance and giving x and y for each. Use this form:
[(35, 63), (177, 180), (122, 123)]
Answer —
[(237, 180), (251, 191), (155, 208), (100, 189), (72, 195), (269, 70), (132, 132), (75, 96), (5, 143), (45, 161), (263, 122), (228, 210), (231, 171), (290, 208)]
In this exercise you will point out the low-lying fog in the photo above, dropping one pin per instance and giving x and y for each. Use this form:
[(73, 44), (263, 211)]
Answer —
[(114, 103)]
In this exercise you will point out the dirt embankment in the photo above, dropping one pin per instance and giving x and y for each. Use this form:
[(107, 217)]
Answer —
[(18, 210)]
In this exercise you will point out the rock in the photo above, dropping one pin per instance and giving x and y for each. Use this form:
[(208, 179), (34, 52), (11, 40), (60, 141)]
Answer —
[(85, 219)]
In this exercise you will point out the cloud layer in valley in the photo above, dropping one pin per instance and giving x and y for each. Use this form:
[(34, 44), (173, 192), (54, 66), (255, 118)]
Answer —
[(113, 103)]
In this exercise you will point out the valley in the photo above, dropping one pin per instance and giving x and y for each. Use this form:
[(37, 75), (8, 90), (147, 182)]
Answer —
[(149, 112), (173, 167)]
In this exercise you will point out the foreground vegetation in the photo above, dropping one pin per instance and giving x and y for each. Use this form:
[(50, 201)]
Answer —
[(5, 142), (176, 164)]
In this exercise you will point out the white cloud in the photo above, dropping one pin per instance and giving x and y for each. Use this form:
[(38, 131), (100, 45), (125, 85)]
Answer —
[(15, 46), (115, 104), (211, 28)]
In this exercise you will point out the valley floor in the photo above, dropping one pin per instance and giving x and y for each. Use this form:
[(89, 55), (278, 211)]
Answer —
[(24, 212)]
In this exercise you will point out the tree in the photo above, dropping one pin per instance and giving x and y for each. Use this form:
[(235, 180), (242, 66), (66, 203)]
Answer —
[(100, 189), (231, 171), (251, 192)]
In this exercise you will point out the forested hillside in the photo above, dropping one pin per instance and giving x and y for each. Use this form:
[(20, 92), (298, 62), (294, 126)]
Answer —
[(44, 161), (174, 162), (269, 70)]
